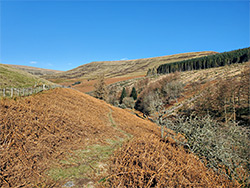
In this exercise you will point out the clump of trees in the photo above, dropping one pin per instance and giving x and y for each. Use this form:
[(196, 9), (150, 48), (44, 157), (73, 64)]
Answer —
[(216, 126), (227, 100), (217, 60), (160, 93), (127, 101), (152, 72)]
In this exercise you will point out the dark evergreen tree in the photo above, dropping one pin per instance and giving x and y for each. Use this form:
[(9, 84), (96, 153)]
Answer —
[(123, 95), (133, 93)]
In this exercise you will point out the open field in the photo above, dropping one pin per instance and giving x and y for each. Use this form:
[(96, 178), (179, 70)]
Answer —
[(11, 77), (63, 137)]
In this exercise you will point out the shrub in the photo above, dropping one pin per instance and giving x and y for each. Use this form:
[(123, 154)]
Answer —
[(76, 83), (220, 144), (123, 106), (129, 102), (172, 90)]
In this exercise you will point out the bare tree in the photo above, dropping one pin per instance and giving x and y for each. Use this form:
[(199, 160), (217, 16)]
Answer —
[(100, 91)]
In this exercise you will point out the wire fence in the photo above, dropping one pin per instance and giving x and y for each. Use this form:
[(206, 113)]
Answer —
[(19, 92)]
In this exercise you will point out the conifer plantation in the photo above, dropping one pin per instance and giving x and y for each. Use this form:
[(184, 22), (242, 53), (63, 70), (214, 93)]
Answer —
[(217, 60)]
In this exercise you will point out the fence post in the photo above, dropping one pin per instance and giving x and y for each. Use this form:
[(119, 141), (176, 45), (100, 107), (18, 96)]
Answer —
[(11, 93), (3, 92)]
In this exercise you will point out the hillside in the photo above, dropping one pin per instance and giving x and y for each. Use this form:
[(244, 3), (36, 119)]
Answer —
[(211, 107), (35, 70), (115, 70), (64, 137), (11, 77), (123, 68)]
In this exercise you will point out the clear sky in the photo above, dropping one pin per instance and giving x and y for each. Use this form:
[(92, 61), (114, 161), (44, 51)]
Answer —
[(64, 34)]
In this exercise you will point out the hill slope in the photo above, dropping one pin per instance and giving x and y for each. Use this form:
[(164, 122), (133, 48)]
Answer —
[(11, 77), (123, 68), (35, 70), (37, 132)]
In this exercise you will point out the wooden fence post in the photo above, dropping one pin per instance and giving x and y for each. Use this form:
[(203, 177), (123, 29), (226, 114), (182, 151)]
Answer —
[(3, 92), (11, 93)]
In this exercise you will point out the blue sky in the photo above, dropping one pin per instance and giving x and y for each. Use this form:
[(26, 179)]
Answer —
[(65, 34)]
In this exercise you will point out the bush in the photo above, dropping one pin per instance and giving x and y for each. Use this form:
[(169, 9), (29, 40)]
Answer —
[(150, 103), (220, 144), (76, 83), (129, 102), (123, 106)]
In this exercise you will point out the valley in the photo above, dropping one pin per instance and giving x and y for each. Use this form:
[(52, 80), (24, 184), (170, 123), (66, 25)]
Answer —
[(188, 129)]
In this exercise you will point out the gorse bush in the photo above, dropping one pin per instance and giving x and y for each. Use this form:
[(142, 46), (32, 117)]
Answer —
[(222, 145)]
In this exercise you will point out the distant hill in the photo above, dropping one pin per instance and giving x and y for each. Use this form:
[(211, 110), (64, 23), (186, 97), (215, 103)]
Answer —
[(123, 68), (12, 77), (35, 70)]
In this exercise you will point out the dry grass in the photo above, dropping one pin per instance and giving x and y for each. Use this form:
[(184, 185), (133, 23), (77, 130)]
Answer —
[(123, 68), (38, 131), (38, 134), (115, 71), (148, 161), (88, 85)]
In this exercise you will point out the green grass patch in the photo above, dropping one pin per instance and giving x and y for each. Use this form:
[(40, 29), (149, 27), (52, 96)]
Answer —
[(11, 77), (83, 163)]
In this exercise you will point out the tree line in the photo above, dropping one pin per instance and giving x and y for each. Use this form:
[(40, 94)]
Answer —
[(216, 60)]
